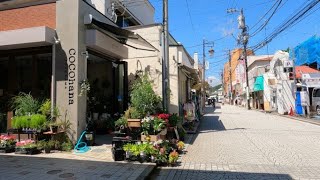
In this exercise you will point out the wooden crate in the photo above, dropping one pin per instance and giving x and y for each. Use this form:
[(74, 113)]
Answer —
[(134, 123)]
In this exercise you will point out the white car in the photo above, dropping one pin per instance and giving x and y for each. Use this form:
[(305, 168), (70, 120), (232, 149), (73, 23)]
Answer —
[(316, 100)]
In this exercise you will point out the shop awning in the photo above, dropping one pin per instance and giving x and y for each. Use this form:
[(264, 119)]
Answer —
[(259, 84), (192, 72), (121, 34)]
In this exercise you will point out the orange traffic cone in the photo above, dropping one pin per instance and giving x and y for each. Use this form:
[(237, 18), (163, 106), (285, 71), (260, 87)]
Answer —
[(291, 111)]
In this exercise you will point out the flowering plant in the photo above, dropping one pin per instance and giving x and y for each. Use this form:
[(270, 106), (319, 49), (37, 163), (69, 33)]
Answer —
[(173, 157), (26, 144), (165, 117), (7, 140), (146, 124), (84, 87), (180, 145)]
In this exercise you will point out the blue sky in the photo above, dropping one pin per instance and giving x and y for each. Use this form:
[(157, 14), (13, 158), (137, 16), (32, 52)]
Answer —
[(210, 20)]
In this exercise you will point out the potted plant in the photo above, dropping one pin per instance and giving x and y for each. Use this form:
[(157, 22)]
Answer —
[(26, 147), (37, 121), (21, 122), (127, 148), (7, 143), (158, 125), (173, 157), (47, 146), (180, 146)]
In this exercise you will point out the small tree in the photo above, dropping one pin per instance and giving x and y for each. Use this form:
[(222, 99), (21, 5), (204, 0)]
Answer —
[(143, 98)]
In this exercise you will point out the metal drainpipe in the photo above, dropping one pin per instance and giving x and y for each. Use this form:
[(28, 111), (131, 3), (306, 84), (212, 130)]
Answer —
[(53, 80)]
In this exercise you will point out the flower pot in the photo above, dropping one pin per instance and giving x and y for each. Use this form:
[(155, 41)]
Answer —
[(134, 123), (23, 150), (143, 156), (128, 155), (47, 150), (95, 116), (153, 159), (7, 149), (163, 132)]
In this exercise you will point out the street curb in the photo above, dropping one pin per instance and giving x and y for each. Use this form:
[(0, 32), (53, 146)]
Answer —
[(147, 172)]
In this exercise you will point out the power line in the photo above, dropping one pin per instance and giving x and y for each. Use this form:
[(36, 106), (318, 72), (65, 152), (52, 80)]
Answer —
[(290, 22), (190, 17)]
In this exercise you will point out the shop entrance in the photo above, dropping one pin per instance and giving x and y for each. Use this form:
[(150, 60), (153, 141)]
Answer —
[(108, 96)]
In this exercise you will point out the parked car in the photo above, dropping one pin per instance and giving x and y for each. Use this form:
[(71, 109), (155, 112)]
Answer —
[(316, 100)]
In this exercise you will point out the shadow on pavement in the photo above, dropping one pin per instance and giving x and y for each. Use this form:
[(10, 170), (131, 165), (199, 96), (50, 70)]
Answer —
[(31, 167), (211, 174)]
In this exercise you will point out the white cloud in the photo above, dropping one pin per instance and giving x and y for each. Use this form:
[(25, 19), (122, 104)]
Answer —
[(213, 81)]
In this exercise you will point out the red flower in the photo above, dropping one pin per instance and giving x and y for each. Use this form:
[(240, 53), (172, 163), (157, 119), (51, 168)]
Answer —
[(164, 116)]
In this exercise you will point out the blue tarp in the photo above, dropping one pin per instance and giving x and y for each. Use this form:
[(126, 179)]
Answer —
[(307, 52), (259, 84), (299, 109)]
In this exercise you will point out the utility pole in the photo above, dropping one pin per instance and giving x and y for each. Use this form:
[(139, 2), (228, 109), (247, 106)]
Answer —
[(203, 74), (211, 52), (243, 39), (165, 60), (230, 79)]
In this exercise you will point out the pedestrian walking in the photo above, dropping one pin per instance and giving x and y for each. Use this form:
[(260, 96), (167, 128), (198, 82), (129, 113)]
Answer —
[(213, 102)]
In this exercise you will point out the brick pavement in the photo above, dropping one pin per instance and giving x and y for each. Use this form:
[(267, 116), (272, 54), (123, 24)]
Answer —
[(95, 164), (234, 143)]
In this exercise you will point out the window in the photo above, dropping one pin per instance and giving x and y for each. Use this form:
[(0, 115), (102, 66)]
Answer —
[(316, 93)]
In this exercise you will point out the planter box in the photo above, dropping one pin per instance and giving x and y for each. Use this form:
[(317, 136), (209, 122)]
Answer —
[(7, 149), (30, 151), (153, 138), (134, 123)]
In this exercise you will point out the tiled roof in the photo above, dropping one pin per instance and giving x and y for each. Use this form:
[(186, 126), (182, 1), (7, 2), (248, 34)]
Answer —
[(304, 69)]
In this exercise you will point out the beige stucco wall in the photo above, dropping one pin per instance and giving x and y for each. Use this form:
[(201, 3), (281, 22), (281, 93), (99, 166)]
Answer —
[(146, 61), (174, 79)]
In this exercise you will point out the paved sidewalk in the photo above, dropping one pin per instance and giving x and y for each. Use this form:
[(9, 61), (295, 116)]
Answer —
[(234, 143), (96, 164)]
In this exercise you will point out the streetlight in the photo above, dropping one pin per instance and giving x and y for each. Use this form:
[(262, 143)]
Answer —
[(211, 53), (243, 39)]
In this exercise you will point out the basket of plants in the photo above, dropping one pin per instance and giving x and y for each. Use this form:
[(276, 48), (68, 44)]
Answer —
[(7, 143), (161, 152), (26, 147)]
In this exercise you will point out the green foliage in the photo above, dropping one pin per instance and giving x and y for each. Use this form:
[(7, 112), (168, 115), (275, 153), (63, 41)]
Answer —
[(174, 119), (122, 121), (158, 124), (37, 121), (25, 104), (67, 146), (46, 144), (127, 147), (143, 98), (20, 122), (45, 108)]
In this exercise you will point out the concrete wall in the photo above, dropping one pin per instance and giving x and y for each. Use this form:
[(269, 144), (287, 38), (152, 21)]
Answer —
[(142, 11), (256, 68), (71, 65)]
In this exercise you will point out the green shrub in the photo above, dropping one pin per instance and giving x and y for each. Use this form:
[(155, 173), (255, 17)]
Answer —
[(67, 146), (122, 121), (45, 108), (37, 121), (143, 98), (20, 122), (25, 104)]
